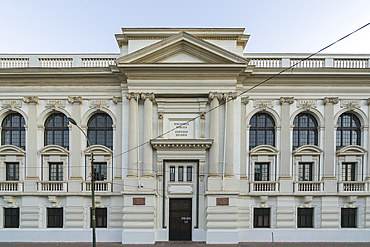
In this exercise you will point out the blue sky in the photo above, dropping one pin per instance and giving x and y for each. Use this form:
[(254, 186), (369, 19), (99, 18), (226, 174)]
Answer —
[(88, 26)]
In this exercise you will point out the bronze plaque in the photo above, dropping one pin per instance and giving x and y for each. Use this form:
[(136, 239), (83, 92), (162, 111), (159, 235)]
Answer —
[(222, 201), (138, 201)]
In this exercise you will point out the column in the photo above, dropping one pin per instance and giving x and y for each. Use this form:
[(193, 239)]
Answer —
[(285, 178), (329, 145), (30, 184), (132, 134), (148, 134), (213, 134), (229, 142), (243, 139)]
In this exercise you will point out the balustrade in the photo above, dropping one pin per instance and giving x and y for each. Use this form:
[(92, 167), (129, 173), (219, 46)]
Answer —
[(52, 186), (305, 186), (309, 63), (14, 62), (99, 186), (97, 62), (55, 62), (259, 186), (10, 186), (353, 186), (350, 63), (266, 62)]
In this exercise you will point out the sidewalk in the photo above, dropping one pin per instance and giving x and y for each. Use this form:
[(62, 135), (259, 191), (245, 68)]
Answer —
[(185, 244)]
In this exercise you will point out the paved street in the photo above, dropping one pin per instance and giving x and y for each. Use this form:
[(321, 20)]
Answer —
[(185, 244)]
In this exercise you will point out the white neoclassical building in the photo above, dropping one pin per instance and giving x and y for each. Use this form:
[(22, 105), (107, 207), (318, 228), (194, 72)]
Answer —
[(180, 152)]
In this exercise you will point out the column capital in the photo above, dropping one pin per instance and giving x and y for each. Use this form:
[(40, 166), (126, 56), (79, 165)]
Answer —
[(368, 101), (231, 95), (286, 100), (75, 99), (31, 99), (150, 96), (117, 99), (333, 100), (245, 100), (133, 95), (213, 95)]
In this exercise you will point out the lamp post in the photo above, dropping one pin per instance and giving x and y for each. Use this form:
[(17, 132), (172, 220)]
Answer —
[(72, 121)]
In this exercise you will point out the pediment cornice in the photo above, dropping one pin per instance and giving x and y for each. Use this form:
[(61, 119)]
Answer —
[(187, 44)]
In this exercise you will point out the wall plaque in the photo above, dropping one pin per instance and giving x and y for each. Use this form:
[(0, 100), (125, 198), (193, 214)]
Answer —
[(222, 201), (184, 129), (138, 201)]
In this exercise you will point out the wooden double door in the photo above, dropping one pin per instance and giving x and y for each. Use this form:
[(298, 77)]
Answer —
[(180, 219)]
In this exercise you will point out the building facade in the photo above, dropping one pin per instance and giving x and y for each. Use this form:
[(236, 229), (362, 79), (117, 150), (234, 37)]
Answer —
[(185, 145)]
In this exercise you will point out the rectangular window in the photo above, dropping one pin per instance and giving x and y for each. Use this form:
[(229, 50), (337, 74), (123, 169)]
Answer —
[(172, 173), (189, 173), (262, 218), (305, 218), (12, 171), (56, 171), (348, 217), (348, 172), (100, 217), (181, 173), (305, 172), (100, 171), (261, 172), (55, 217), (11, 217)]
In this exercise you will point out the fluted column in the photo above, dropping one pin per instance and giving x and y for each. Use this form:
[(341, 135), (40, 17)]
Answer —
[(229, 142), (132, 135), (286, 146), (76, 135), (213, 133), (148, 134)]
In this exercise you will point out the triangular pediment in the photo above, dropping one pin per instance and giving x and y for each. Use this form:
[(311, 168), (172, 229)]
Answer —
[(182, 48)]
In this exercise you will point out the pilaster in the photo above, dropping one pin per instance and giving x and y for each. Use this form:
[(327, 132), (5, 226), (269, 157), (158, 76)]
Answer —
[(329, 146), (117, 163), (148, 134), (285, 179), (75, 154), (229, 142), (32, 176)]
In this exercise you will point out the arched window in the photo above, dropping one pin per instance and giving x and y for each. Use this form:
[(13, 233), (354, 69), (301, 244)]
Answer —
[(100, 130), (262, 130), (348, 131), (305, 130), (56, 130), (13, 131)]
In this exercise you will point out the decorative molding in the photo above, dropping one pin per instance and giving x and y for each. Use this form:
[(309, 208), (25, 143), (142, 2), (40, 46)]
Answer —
[(307, 104), (9, 201), (150, 96), (332, 100), (263, 201), (224, 201), (286, 100), (181, 144), (229, 95), (307, 200), (55, 104), (351, 200), (203, 115), (133, 95), (99, 103), (117, 99), (350, 104), (53, 200), (31, 99), (11, 104), (263, 104), (138, 201), (245, 100), (160, 115), (75, 99)]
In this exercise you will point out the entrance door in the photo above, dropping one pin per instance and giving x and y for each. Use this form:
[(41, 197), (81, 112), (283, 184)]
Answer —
[(180, 219)]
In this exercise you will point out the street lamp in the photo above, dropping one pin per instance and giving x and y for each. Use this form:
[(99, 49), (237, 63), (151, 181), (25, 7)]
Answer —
[(72, 121)]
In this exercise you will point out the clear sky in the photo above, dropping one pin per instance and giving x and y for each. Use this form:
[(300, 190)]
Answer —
[(88, 26)]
